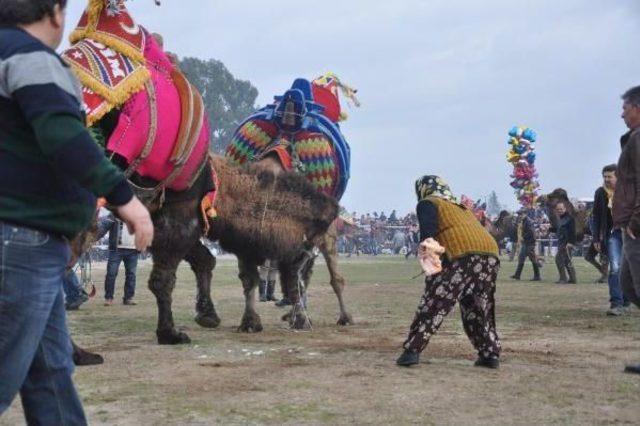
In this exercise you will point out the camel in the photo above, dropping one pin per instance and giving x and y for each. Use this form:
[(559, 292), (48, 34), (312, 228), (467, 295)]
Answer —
[(549, 202), (328, 246), (299, 132), (264, 215), (505, 226)]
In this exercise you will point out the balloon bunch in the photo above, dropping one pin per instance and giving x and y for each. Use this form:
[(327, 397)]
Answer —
[(523, 157)]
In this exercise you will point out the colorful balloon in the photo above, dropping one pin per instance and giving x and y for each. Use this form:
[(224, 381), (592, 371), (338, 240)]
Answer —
[(522, 155)]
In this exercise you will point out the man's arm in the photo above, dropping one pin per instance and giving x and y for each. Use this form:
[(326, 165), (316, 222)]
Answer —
[(68, 145)]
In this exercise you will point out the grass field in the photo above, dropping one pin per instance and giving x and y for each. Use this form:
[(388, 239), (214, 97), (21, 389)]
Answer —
[(562, 357)]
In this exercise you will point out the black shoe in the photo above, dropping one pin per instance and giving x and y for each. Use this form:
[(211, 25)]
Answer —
[(82, 357), (74, 305), (515, 277), (283, 302), (408, 358), (632, 368), (129, 302), (561, 282), (536, 279), (493, 363)]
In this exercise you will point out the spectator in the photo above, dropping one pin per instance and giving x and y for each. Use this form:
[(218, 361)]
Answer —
[(626, 199), (393, 218), (399, 239), (268, 275), (608, 241), (527, 243), (74, 294), (566, 233), (121, 249), (414, 241), (593, 253)]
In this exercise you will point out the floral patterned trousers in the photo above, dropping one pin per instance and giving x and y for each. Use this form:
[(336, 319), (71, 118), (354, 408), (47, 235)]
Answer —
[(472, 281)]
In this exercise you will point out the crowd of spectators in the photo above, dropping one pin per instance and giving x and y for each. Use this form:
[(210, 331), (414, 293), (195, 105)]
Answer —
[(374, 234)]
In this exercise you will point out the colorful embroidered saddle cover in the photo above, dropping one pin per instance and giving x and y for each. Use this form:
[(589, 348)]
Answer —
[(301, 129), (162, 131)]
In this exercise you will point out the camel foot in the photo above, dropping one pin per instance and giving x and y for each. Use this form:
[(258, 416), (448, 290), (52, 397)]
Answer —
[(208, 320), (298, 319), (251, 323), (82, 357), (172, 337), (345, 319)]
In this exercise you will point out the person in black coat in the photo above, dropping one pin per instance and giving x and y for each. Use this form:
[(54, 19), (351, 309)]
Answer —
[(565, 230), (527, 243)]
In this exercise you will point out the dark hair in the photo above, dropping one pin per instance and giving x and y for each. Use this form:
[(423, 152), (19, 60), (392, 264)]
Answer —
[(632, 96), (25, 12), (610, 168)]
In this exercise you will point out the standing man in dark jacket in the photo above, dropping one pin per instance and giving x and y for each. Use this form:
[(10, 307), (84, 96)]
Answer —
[(51, 171), (626, 201), (527, 242), (566, 233), (606, 240)]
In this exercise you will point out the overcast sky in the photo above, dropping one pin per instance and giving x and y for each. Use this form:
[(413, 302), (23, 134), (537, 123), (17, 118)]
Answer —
[(441, 82)]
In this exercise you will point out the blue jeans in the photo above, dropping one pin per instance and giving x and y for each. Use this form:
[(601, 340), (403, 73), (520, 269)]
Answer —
[(35, 347), (614, 252), (130, 259)]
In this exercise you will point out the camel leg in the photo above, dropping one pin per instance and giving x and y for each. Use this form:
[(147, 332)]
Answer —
[(202, 264), (177, 230), (289, 275), (330, 254), (250, 278), (162, 281)]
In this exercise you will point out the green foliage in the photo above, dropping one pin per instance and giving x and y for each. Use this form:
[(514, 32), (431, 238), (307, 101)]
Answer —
[(228, 101)]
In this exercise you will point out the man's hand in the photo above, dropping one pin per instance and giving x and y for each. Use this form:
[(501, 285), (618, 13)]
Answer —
[(597, 247), (138, 221), (630, 233)]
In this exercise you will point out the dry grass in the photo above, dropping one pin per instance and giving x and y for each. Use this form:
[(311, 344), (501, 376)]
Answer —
[(562, 358)]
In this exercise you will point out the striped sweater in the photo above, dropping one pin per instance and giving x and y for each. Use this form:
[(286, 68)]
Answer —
[(51, 170)]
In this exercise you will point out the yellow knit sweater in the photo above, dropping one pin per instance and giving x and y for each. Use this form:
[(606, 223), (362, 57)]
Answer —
[(460, 233)]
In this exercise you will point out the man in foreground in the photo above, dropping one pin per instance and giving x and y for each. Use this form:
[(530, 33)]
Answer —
[(51, 172), (626, 202)]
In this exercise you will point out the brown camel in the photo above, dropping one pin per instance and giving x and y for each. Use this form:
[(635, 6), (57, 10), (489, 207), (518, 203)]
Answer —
[(328, 246), (549, 202), (263, 215)]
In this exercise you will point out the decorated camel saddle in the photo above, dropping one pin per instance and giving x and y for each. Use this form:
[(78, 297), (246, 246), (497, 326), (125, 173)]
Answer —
[(149, 115), (301, 129)]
